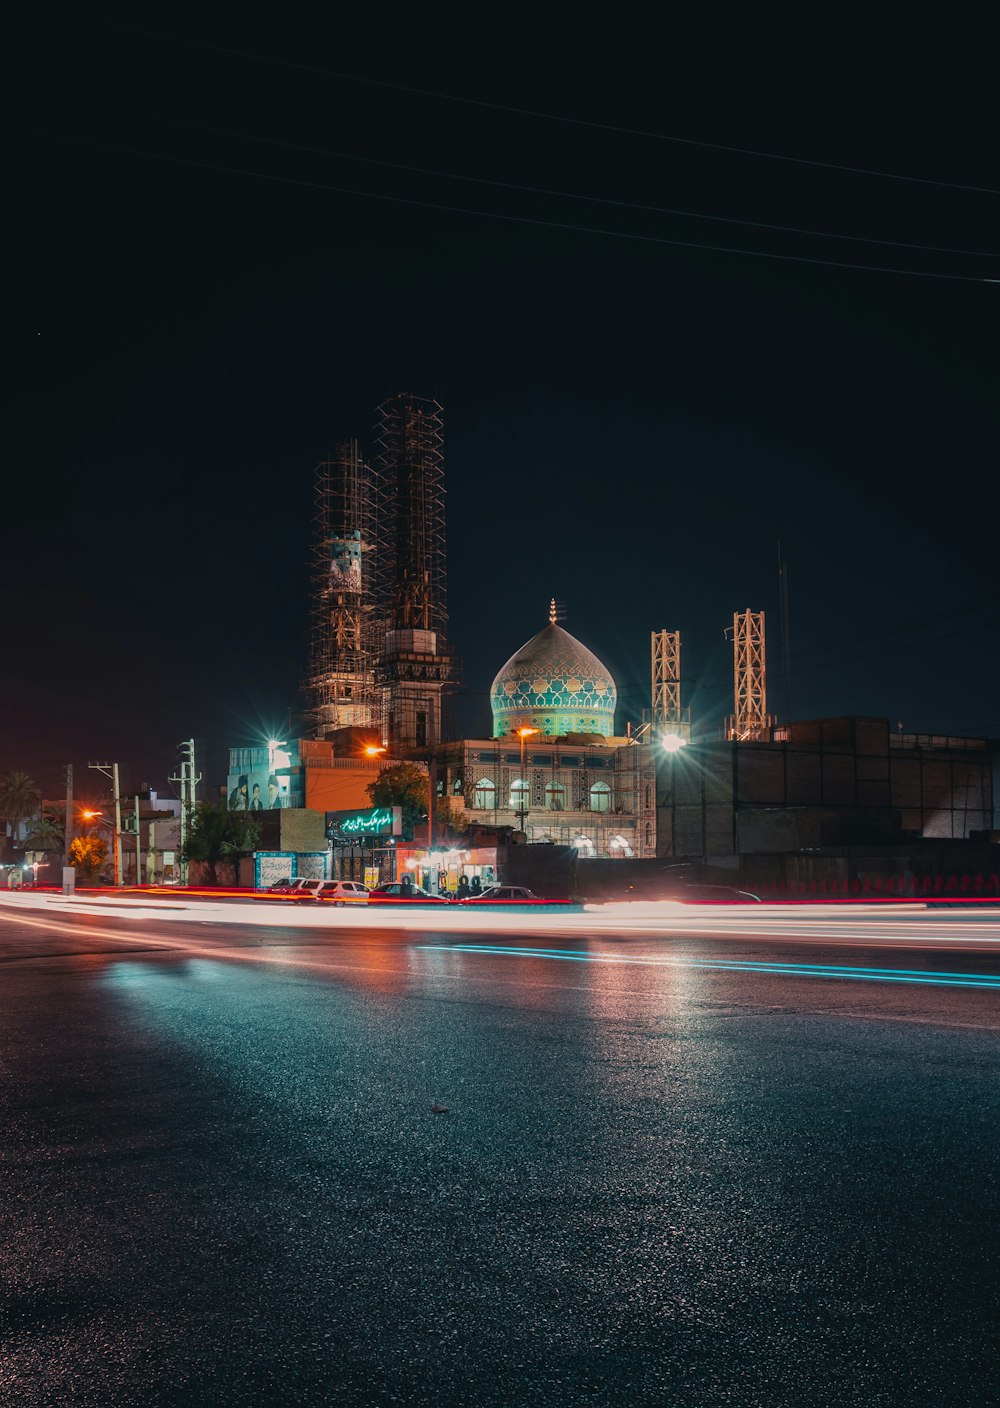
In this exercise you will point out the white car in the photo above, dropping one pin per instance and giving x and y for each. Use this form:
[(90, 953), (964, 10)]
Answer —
[(338, 892)]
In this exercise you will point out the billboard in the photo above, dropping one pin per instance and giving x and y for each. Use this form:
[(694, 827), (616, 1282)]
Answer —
[(263, 779), (257, 791)]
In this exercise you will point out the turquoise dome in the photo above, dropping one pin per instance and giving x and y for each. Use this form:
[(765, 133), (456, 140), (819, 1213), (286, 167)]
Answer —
[(556, 685)]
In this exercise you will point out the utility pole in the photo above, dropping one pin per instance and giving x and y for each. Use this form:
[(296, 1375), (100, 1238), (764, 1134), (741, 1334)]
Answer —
[(786, 645), (138, 845), (188, 780), (69, 872), (111, 770)]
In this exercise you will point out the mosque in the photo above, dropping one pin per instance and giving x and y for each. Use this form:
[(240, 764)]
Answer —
[(554, 770)]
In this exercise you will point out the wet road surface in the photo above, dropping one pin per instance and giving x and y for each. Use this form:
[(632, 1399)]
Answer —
[(685, 1168)]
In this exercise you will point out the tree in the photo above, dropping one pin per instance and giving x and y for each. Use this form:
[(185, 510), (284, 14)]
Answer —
[(403, 785), (88, 854), (450, 818), (19, 799), (45, 834), (219, 836)]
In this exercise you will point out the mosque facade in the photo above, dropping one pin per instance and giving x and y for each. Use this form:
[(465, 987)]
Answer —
[(554, 767)]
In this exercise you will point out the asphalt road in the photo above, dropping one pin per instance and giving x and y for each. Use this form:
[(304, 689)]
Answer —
[(709, 1161)]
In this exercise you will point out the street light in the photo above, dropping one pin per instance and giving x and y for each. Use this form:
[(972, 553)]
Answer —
[(522, 794), (673, 742), (372, 752), (88, 814)]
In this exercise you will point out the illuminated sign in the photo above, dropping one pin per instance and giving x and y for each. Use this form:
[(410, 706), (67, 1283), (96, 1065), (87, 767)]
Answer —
[(379, 821)]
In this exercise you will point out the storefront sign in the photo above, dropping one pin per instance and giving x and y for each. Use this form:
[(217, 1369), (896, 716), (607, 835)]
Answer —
[(360, 826)]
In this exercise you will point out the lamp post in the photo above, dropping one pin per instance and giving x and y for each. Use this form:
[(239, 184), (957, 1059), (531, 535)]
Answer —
[(372, 750), (523, 789), (98, 818)]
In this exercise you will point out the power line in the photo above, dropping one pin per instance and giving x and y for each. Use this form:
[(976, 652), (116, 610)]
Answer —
[(867, 655), (574, 195), (543, 116), (528, 220)]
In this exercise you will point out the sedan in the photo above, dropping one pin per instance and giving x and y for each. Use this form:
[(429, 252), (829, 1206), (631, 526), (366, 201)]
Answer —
[(291, 887), (396, 893), (497, 893), (512, 896), (339, 892)]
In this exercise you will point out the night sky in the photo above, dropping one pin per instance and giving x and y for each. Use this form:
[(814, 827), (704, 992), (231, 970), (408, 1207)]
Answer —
[(631, 423)]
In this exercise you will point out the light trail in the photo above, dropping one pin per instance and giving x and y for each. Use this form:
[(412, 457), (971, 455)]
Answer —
[(881, 926), (808, 970)]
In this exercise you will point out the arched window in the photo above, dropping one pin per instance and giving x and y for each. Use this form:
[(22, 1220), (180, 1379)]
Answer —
[(485, 795), (649, 796), (649, 835), (456, 787), (519, 795), (619, 848), (600, 797), (584, 846), (555, 797)]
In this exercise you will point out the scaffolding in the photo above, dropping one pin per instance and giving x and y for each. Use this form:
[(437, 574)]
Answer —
[(409, 587), (750, 722), (667, 714), (415, 673), (341, 686)]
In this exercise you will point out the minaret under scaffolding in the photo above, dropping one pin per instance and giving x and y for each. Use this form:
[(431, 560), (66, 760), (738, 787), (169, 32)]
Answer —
[(415, 672), (340, 685)]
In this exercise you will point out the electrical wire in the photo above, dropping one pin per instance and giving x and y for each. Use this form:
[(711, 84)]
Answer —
[(543, 116), (528, 220), (574, 195)]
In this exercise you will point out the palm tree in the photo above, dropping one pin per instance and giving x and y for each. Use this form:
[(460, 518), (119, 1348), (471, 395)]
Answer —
[(19, 799), (45, 834)]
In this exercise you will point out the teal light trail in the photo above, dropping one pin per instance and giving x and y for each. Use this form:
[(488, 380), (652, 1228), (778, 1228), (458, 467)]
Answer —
[(792, 970)]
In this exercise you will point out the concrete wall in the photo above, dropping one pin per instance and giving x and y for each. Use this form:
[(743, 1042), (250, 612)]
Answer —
[(292, 829), (832, 782)]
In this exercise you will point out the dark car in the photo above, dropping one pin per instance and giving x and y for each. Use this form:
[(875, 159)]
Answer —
[(712, 894), (504, 894), (519, 896), (396, 893), (290, 888)]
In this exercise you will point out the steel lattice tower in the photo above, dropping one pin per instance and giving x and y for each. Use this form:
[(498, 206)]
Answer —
[(750, 721), (666, 663)]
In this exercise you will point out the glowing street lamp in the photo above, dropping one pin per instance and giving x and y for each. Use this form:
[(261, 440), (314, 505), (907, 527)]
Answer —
[(673, 742), (522, 795), (372, 752)]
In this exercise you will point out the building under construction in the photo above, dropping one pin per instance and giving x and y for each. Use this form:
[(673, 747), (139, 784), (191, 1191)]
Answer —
[(340, 685), (379, 657)]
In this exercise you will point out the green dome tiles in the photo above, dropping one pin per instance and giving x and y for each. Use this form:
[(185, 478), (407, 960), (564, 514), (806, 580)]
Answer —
[(554, 684)]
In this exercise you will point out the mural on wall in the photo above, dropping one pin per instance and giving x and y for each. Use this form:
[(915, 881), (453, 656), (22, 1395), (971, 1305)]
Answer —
[(260, 779), (256, 792)]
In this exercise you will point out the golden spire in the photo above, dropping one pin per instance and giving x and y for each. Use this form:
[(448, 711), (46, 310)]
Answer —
[(553, 614)]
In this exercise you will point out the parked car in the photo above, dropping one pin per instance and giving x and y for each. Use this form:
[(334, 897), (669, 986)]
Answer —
[(395, 893), (338, 892), (290, 886), (712, 894), (504, 894)]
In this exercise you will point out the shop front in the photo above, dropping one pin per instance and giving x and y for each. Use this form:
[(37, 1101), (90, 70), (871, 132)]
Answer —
[(365, 843), (440, 871)]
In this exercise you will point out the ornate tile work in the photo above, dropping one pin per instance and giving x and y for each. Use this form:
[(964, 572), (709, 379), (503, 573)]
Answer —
[(554, 684)]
